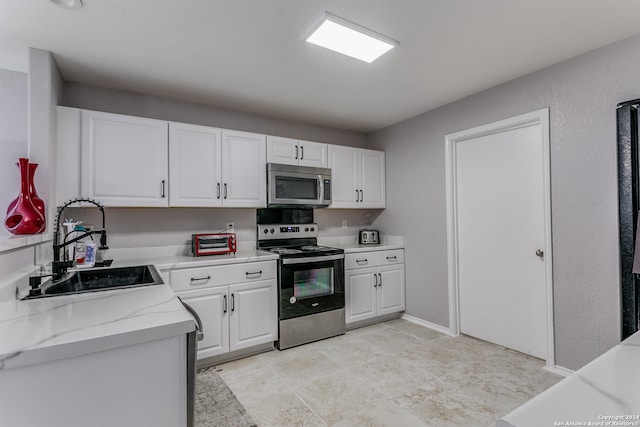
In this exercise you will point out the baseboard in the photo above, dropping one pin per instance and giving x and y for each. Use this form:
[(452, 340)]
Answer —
[(421, 322), (559, 370)]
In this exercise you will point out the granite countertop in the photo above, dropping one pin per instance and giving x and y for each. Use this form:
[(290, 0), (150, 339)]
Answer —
[(46, 329), (605, 392)]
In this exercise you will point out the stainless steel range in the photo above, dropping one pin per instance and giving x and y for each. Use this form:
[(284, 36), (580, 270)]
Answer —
[(310, 283)]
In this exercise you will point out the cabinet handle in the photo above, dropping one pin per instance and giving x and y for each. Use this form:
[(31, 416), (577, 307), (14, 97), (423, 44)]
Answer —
[(375, 280), (233, 302), (362, 261), (162, 189), (218, 193), (357, 196), (253, 273), (380, 283), (392, 258), (224, 303), (361, 195), (296, 152), (199, 279), (301, 152), (225, 190)]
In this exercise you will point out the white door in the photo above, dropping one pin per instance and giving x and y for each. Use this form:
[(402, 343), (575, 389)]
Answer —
[(500, 197), (373, 179), (244, 169), (212, 306), (313, 154), (360, 295), (124, 160), (254, 314), (390, 289), (194, 165), (281, 150), (343, 162)]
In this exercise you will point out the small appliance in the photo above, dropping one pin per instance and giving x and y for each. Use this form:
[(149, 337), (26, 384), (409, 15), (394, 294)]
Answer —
[(298, 186), (213, 243), (369, 237)]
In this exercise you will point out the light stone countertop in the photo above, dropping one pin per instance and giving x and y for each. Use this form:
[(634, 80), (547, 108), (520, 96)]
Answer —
[(52, 328), (350, 243), (605, 392)]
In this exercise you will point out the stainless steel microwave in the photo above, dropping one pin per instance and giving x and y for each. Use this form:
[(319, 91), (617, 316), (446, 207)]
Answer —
[(299, 186)]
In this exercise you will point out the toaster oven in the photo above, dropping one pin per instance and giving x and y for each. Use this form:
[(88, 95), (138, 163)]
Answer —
[(213, 244)]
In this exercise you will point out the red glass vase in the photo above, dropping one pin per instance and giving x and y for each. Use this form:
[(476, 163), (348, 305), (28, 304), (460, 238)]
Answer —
[(23, 216)]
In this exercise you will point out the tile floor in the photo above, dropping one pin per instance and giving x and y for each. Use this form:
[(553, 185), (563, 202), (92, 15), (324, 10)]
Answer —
[(394, 373)]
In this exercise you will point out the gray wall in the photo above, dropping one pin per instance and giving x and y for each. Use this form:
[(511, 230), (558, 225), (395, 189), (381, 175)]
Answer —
[(136, 104), (13, 135), (582, 94)]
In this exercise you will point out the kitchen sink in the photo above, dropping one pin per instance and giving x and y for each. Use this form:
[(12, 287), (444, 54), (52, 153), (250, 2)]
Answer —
[(102, 279)]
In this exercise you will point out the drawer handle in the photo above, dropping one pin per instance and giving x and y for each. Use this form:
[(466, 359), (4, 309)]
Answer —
[(392, 258), (200, 279), (253, 273), (362, 261)]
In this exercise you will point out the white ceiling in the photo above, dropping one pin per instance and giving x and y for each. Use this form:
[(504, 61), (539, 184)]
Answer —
[(249, 55)]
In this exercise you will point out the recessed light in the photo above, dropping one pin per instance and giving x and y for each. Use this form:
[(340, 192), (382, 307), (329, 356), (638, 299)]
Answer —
[(348, 38), (68, 4)]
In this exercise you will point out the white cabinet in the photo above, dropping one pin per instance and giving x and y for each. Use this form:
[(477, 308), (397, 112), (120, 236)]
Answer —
[(237, 304), (358, 177), (195, 165), (244, 170), (213, 167), (296, 152), (374, 284), (124, 160)]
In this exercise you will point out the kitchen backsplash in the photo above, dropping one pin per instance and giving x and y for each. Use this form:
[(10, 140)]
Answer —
[(144, 227)]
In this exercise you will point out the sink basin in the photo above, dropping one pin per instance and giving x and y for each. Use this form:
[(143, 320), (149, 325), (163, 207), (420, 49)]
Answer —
[(101, 279)]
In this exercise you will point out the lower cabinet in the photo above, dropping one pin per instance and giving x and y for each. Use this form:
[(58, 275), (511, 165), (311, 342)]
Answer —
[(375, 284), (240, 314)]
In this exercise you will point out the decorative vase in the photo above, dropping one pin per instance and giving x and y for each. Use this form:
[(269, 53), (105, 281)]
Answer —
[(37, 201), (24, 217)]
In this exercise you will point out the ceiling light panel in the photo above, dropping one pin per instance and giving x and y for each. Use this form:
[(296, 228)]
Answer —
[(340, 35)]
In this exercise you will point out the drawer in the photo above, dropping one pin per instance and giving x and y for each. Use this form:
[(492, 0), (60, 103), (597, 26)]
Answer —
[(373, 259), (206, 277)]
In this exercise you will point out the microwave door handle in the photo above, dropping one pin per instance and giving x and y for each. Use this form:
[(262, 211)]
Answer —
[(320, 189)]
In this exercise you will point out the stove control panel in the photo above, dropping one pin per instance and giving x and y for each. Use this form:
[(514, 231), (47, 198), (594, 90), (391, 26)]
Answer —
[(286, 231)]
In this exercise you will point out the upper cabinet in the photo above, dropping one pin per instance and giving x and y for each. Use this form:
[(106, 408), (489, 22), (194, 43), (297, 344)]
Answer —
[(358, 177), (213, 167), (296, 152), (244, 171), (124, 160)]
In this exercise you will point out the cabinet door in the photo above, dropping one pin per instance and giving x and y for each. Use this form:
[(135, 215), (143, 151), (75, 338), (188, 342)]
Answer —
[(194, 165), (313, 154), (372, 179), (254, 314), (124, 160), (360, 295), (391, 289), (244, 171), (343, 162), (212, 305), (282, 150)]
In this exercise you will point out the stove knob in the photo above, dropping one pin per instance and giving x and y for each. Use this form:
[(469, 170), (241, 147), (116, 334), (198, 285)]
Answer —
[(306, 229), (272, 231), (266, 230)]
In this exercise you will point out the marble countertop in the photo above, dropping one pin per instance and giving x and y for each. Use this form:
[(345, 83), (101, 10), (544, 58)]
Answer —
[(46, 329), (605, 392), (350, 243)]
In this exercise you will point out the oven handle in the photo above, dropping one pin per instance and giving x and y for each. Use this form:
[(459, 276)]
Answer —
[(307, 260)]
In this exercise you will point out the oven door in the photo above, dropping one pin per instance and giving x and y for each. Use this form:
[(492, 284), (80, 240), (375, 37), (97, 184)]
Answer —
[(295, 189), (310, 285)]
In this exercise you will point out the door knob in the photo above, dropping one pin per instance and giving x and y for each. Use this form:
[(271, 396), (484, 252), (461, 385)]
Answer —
[(540, 253)]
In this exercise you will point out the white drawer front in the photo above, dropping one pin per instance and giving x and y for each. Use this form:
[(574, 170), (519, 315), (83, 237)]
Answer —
[(373, 259), (196, 278)]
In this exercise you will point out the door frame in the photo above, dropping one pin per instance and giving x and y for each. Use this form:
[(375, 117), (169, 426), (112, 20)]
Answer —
[(539, 117)]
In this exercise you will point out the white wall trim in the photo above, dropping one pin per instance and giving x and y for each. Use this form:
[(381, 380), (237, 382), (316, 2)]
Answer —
[(558, 370), (433, 326), (536, 117)]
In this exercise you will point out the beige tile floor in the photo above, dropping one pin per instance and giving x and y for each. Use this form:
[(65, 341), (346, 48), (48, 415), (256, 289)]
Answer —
[(394, 373)]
